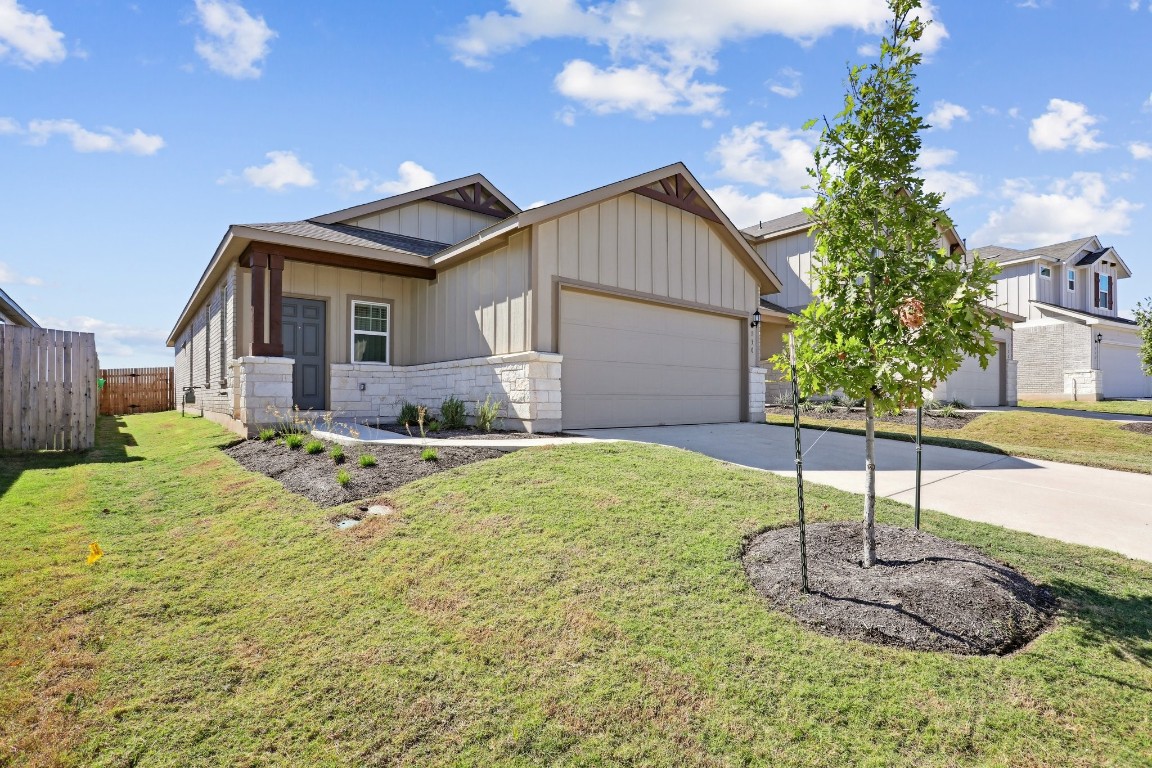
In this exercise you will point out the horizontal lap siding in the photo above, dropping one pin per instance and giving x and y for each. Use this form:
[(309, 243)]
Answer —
[(635, 243)]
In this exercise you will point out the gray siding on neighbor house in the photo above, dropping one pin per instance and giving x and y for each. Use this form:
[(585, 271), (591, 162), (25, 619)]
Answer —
[(206, 347), (1045, 351), (634, 243), (790, 258), (1014, 290), (428, 221)]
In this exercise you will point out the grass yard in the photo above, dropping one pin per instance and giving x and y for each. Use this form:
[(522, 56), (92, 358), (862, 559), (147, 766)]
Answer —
[(576, 606), (1091, 442), (1130, 407)]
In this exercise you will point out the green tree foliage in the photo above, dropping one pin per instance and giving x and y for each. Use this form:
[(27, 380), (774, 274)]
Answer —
[(895, 312), (1143, 315)]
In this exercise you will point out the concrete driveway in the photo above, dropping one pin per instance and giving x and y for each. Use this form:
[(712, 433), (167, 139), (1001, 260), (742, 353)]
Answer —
[(1082, 505)]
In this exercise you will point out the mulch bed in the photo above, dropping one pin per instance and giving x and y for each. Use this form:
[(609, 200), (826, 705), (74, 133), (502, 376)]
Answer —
[(1143, 427), (926, 593), (468, 433), (314, 476), (959, 421)]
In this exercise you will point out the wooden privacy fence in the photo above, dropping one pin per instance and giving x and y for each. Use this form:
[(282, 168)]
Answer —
[(136, 390), (47, 389)]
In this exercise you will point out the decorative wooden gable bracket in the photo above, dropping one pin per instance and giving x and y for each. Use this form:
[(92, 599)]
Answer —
[(473, 197), (678, 193)]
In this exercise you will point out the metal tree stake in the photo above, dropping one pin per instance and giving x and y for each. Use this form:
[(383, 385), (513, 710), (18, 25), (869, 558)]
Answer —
[(799, 462), (919, 456)]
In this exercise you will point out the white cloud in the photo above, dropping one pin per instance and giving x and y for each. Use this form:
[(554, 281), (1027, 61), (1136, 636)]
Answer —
[(1140, 150), (567, 116), (39, 132), (9, 276), (536, 204), (282, 170), (746, 210), (1077, 206), (236, 43), (787, 83), (1066, 125), (410, 175), (868, 50), (1147, 105), (767, 157), (28, 38), (954, 185), (118, 345), (944, 113), (641, 90), (660, 44)]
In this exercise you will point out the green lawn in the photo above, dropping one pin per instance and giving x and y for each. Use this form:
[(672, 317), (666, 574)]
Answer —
[(1131, 407), (576, 606), (1071, 439)]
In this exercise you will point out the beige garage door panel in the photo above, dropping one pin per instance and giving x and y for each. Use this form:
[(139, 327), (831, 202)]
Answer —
[(629, 363), (1123, 376)]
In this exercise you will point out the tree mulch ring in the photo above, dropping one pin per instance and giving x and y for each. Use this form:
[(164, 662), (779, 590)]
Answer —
[(1143, 427), (468, 433), (924, 594), (314, 475), (960, 420)]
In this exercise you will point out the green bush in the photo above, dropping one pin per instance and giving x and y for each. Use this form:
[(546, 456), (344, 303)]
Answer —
[(267, 434), (434, 426), (487, 413), (429, 454), (825, 406), (293, 440), (314, 447), (337, 454), (343, 478), (947, 411), (452, 414), (367, 460), (409, 414)]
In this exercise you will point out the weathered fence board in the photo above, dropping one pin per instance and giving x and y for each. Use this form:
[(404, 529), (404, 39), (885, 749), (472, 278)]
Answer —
[(47, 389), (137, 390)]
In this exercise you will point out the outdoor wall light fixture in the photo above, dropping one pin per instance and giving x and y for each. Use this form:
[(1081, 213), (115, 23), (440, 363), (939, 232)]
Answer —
[(755, 318), (1099, 338)]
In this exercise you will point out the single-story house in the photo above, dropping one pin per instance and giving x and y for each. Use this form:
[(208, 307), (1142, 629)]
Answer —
[(788, 249), (12, 314), (625, 305), (1072, 344)]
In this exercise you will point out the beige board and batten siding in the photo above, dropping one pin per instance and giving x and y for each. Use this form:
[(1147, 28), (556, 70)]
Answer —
[(428, 221), (790, 259), (640, 246)]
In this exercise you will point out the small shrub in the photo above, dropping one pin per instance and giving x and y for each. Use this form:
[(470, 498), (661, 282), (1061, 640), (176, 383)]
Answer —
[(267, 434), (947, 411), (409, 413), (292, 422), (807, 406), (783, 401), (452, 414), (367, 460), (293, 440), (343, 478), (429, 454), (487, 413), (825, 406), (337, 454), (314, 447), (434, 426)]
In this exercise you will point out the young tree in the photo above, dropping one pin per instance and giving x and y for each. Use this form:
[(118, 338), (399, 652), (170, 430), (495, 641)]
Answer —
[(1144, 321), (895, 312)]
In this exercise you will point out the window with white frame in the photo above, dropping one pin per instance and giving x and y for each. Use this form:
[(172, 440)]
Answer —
[(370, 329), (1105, 299), (1071, 279), (1045, 272)]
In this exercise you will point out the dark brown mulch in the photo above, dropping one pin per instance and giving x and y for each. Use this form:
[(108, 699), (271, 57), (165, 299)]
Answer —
[(1143, 427), (926, 593), (959, 421), (314, 476), (468, 433)]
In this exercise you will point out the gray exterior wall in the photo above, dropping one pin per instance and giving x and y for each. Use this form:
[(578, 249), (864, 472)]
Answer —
[(791, 259), (428, 221), (206, 348), (1046, 351)]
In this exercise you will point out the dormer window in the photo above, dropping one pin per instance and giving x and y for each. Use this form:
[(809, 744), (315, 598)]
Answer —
[(1104, 291), (1045, 272), (1071, 279)]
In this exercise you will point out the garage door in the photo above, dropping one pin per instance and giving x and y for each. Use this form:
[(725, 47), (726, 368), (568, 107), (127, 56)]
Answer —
[(630, 363), (1122, 374), (975, 386)]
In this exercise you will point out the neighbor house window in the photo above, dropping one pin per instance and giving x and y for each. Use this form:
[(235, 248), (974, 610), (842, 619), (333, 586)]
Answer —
[(369, 332), (1071, 279), (1046, 272), (1104, 299)]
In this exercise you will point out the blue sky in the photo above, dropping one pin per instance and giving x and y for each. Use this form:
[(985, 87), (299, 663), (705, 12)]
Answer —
[(133, 133)]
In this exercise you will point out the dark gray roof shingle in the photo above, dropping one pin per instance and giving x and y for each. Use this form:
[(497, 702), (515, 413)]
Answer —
[(765, 228), (346, 234)]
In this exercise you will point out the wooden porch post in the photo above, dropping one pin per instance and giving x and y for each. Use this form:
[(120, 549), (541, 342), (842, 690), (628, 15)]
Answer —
[(259, 263), (276, 305)]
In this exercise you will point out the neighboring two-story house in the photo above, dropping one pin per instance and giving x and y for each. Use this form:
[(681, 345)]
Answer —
[(1073, 345), (789, 250)]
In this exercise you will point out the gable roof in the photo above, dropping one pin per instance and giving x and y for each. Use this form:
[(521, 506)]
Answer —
[(348, 234), (1057, 252), (470, 192), (673, 183), (793, 222), (11, 310)]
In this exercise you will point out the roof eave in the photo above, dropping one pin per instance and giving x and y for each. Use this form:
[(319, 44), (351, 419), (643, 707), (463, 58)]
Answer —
[(415, 195)]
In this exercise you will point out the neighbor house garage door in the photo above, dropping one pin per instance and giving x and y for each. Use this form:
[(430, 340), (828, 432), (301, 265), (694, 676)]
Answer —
[(630, 363), (1122, 374), (978, 387)]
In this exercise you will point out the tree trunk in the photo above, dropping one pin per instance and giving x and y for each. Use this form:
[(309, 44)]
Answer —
[(870, 482)]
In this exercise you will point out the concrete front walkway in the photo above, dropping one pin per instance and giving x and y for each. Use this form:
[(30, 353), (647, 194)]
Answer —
[(349, 432), (1082, 505)]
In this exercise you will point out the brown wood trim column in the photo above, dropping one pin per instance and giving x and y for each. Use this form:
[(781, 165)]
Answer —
[(258, 262), (275, 305)]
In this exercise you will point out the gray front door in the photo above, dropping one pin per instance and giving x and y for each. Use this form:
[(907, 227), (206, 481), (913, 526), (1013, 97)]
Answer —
[(303, 323)]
